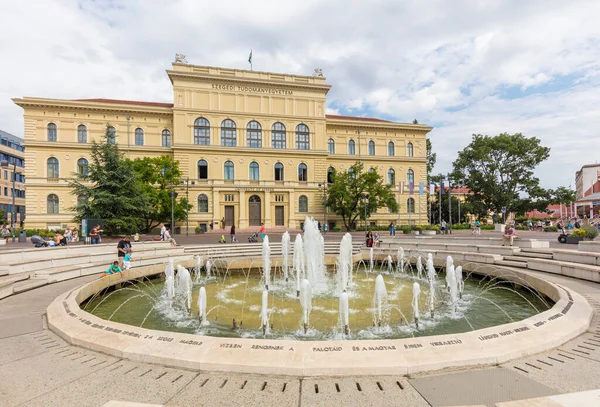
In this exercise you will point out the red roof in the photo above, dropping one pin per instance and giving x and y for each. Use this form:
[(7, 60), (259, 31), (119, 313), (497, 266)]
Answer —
[(368, 119), (126, 102)]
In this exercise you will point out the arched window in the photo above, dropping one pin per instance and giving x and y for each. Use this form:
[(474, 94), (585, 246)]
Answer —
[(391, 177), (391, 149), (330, 175), (371, 170), (51, 132), (278, 135), (52, 204), (331, 146), (302, 173), (82, 167), (139, 137), (228, 133), (302, 204), (229, 171), (351, 147), (166, 138), (202, 169), (278, 172), (410, 176), (410, 205), (203, 203), (254, 171), (81, 200), (254, 134), (371, 147), (111, 135), (201, 131), (409, 150), (81, 134), (351, 174), (302, 137), (52, 167)]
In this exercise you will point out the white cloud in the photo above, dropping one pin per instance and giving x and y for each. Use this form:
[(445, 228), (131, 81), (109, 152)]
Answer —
[(444, 63)]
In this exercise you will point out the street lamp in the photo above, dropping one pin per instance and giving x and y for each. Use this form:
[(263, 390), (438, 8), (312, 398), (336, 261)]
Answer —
[(323, 187), (187, 203), (173, 195), (365, 200), (12, 209)]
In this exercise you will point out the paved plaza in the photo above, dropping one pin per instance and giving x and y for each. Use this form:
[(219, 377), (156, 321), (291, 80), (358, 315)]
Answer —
[(38, 368)]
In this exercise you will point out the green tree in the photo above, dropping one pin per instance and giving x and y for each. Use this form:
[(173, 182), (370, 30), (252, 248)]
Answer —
[(499, 170), (465, 208), (158, 176), (563, 195), (110, 190), (345, 194), (431, 159)]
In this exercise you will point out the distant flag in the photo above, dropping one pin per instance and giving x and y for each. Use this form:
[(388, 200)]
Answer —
[(421, 188), (401, 186), (411, 188), (250, 59), (432, 188)]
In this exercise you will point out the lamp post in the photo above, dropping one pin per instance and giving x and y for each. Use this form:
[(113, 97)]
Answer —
[(365, 199), (187, 203), (173, 195), (128, 117), (12, 208), (323, 187)]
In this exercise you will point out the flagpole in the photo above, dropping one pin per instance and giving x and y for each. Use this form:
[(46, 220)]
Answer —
[(399, 193)]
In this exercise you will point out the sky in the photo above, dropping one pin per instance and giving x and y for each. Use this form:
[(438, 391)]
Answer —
[(460, 66)]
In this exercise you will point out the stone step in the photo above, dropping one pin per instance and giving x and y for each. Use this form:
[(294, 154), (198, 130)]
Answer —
[(29, 285), (517, 259), (534, 255), (511, 263)]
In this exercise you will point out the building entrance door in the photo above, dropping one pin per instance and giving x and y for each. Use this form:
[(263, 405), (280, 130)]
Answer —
[(279, 216), (254, 210), (229, 215)]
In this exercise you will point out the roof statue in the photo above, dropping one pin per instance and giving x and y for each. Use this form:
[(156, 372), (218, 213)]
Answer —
[(318, 73), (180, 59)]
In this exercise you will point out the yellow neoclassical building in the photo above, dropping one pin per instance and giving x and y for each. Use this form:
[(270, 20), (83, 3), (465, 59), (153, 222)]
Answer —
[(253, 147)]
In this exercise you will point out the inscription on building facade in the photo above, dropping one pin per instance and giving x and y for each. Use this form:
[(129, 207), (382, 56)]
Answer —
[(252, 89)]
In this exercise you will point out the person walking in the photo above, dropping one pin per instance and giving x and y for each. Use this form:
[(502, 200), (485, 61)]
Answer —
[(232, 234), (477, 225), (443, 227), (5, 232)]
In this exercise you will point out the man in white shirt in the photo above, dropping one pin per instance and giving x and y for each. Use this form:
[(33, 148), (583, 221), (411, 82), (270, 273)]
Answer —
[(163, 232)]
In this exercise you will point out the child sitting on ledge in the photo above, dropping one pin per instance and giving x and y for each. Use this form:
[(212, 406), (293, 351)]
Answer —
[(112, 269)]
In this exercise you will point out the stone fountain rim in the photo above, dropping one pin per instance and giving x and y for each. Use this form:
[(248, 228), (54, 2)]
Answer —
[(569, 317)]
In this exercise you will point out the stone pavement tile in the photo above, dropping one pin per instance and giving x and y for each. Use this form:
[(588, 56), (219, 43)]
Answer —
[(563, 371), (25, 379), (582, 399), (23, 346), (115, 403), (224, 390), (360, 391), (20, 325), (124, 380), (478, 387)]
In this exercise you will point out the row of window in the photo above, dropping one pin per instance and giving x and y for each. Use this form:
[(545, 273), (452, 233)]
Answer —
[(53, 208), (229, 137), (18, 193), (11, 144), (371, 148), (12, 160), (16, 175)]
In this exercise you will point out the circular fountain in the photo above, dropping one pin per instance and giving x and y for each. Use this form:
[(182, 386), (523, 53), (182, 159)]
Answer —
[(308, 317)]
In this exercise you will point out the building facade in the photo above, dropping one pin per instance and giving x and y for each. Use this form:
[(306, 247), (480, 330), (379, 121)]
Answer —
[(12, 164), (253, 146)]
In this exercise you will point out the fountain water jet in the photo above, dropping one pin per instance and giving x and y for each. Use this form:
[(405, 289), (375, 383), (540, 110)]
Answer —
[(344, 312), (400, 260), (346, 256), (264, 312), (199, 262), (306, 302), (379, 300), (390, 263), (415, 302), (285, 251), (208, 268), (299, 261), (431, 278), (459, 281), (184, 285), (202, 307), (266, 258), (314, 254), (371, 260), (419, 267), (170, 285)]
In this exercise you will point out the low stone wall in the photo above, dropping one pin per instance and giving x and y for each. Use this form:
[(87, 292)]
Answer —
[(568, 318)]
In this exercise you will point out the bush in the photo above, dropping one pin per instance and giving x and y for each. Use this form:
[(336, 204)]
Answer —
[(198, 230), (487, 227), (578, 233), (590, 232), (550, 229), (521, 227), (406, 230), (431, 227), (337, 229)]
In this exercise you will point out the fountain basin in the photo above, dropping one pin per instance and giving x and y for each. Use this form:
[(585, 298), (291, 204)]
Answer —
[(569, 317)]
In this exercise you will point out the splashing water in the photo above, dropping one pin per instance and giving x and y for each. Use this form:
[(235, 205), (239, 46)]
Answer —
[(314, 254), (208, 268), (449, 262), (371, 260), (266, 258), (199, 263), (264, 312), (390, 263), (170, 286), (169, 269), (184, 285), (346, 254), (419, 268), (285, 252), (400, 259), (459, 281), (451, 279), (431, 278)]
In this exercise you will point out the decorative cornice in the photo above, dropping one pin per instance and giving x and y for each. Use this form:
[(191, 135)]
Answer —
[(92, 106)]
